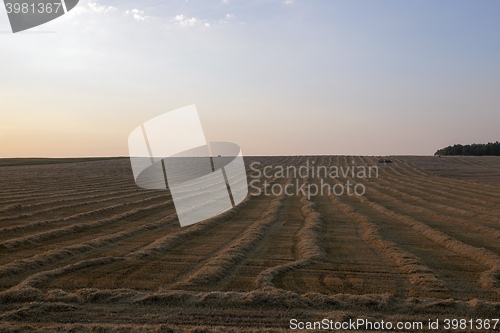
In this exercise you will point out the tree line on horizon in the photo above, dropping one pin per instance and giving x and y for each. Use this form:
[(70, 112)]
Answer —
[(475, 149)]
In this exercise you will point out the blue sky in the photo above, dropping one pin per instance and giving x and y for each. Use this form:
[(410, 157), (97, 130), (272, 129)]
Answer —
[(277, 77)]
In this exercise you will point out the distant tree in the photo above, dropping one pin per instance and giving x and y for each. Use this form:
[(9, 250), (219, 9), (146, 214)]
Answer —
[(475, 149)]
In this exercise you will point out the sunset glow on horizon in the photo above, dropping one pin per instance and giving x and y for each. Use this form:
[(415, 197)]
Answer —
[(277, 77)]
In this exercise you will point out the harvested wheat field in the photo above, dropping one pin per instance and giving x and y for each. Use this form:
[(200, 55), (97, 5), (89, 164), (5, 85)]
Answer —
[(83, 249)]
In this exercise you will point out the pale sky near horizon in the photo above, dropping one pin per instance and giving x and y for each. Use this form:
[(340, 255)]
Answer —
[(373, 77)]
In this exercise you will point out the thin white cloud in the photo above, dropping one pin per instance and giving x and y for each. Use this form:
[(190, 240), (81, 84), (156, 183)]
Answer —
[(226, 19), (187, 22), (192, 21), (225, 1), (288, 2), (92, 7), (138, 15)]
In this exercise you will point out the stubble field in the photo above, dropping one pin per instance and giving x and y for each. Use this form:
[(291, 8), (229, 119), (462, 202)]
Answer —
[(82, 248)]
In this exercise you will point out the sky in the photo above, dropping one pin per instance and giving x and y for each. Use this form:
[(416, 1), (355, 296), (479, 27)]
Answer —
[(284, 77)]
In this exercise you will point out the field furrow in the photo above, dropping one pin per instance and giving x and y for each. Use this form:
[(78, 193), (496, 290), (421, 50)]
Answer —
[(154, 258), (221, 263)]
